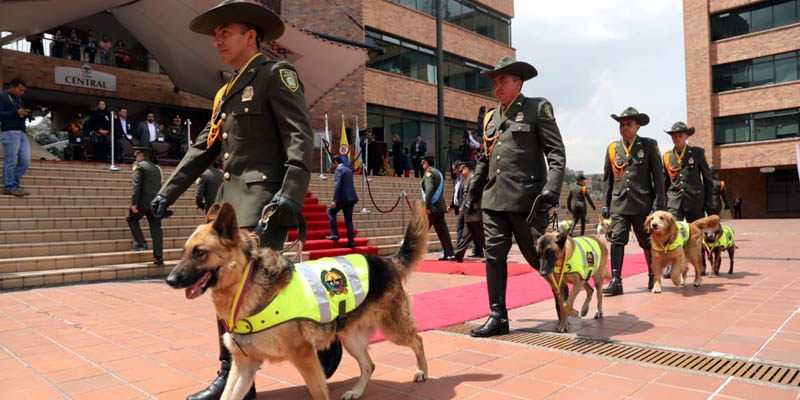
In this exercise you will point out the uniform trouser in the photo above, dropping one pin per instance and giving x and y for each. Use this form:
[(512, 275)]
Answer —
[(473, 233), (438, 222), (620, 233), (459, 226), (579, 214), (155, 230), (347, 211), (273, 239)]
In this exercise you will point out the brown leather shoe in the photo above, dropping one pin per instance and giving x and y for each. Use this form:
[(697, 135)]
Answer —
[(16, 192)]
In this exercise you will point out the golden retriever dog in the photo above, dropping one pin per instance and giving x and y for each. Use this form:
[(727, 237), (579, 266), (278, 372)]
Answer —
[(217, 256), (580, 259), (676, 243), (722, 238)]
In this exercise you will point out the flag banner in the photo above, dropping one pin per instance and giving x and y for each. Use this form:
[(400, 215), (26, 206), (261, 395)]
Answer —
[(357, 152), (344, 146), (324, 148)]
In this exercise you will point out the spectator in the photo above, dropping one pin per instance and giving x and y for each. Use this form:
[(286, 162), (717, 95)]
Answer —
[(398, 156), (737, 207), (146, 182), (344, 198), (174, 136), (58, 44), (473, 218), (74, 45), (147, 131), (100, 125), (37, 47), (75, 148), (121, 57), (418, 150), (91, 46), (105, 51), (123, 131), (409, 165), (17, 151)]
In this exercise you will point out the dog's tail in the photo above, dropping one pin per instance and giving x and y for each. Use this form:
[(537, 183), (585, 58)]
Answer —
[(707, 224), (415, 242)]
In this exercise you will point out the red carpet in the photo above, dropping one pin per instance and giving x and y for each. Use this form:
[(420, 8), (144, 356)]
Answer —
[(473, 268), (455, 305), (316, 216)]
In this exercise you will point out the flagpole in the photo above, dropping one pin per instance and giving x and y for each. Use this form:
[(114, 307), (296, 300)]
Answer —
[(112, 167), (364, 180), (321, 150)]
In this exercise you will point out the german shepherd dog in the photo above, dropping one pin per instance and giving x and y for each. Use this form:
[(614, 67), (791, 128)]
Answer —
[(215, 257), (554, 248), (663, 231), (715, 252)]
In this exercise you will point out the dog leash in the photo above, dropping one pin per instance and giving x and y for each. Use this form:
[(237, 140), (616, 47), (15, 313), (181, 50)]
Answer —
[(266, 213)]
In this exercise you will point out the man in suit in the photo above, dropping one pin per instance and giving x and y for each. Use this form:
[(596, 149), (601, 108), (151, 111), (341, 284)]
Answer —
[(207, 186), (576, 202), (418, 150), (433, 196), (687, 180), (719, 195), (523, 159), (146, 182), (266, 160), (633, 187), (123, 130), (147, 131), (473, 218), (344, 198)]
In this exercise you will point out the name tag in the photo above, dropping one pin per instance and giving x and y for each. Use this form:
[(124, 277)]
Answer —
[(160, 139)]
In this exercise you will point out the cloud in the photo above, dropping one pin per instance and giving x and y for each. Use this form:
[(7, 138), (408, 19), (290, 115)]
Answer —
[(597, 57)]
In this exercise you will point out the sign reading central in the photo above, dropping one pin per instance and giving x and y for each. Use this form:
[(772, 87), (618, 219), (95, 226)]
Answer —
[(85, 77)]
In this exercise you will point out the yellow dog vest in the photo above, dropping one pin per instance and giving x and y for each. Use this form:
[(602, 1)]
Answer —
[(680, 239), (584, 258), (320, 291), (726, 239)]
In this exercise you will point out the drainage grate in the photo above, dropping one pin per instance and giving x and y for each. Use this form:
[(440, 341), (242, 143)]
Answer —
[(774, 374)]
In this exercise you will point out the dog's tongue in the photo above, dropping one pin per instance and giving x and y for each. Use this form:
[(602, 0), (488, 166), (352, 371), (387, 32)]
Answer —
[(192, 292)]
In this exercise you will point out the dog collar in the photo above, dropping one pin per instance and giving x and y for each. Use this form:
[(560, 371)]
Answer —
[(247, 277)]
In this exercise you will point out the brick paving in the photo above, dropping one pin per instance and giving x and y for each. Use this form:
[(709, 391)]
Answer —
[(142, 340)]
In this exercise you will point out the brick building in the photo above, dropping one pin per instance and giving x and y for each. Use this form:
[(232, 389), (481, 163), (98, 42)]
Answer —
[(743, 96), (395, 92)]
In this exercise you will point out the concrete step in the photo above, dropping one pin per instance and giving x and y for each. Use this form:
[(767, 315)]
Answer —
[(186, 200)]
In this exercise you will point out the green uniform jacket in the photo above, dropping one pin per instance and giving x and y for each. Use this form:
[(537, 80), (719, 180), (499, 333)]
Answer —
[(476, 215), (692, 187), (641, 185), (265, 142), (515, 173), (145, 184), (207, 185), (719, 192), (430, 182), (173, 133), (576, 202)]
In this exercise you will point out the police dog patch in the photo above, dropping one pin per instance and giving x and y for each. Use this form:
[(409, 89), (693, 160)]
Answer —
[(334, 281), (289, 79), (547, 110)]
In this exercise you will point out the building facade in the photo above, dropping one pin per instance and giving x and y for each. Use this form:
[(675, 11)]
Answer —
[(395, 92), (743, 96)]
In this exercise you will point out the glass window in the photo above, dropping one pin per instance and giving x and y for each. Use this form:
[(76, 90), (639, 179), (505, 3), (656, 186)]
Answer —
[(483, 26), (767, 70), (786, 68), (765, 127), (787, 125), (761, 19), (500, 29), (763, 71), (453, 11), (785, 13), (468, 16), (408, 3), (733, 129), (427, 6)]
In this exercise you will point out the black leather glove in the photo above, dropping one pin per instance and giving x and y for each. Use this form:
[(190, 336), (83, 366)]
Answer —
[(287, 208), (549, 199), (159, 206), (200, 203), (606, 213)]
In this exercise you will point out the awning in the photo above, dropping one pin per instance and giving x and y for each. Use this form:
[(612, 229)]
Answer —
[(162, 27)]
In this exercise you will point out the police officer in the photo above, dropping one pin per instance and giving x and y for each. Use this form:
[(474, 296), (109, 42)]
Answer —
[(174, 136), (473, 218), (687, 180), (519, 134), (576, 202), (433, 196), (260, 126), (146, 182), (207, 186), (719, 194), (633, 187)]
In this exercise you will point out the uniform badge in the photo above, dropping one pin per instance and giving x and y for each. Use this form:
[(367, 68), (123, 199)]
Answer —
[(334, 282), (547, 110), (428, 174), (691, 160), (519, 117), (289, 79), (640, 154), (134, 166), (247, 94)]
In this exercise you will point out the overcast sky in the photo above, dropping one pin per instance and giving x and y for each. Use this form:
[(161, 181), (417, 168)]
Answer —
[(595, 58)]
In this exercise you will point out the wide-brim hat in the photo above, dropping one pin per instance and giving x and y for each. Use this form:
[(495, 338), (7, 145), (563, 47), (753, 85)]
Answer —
[(429, 159), (143, 150), (580, 177), (631, 113), (508, 65), (468, 164), (680, 127), (241, 11)]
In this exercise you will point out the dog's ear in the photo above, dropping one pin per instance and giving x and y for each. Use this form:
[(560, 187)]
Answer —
[(647, 223), (212, 213), (561, 239), (225, 223)]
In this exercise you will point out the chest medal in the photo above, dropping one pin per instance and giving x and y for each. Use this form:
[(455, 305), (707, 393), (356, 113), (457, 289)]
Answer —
[(519, 117), (640, 154), (247, 94)]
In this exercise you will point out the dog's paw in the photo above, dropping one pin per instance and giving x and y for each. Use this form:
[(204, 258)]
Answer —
[(420, 376), (584, 310), (656, 289), (730, 272), (697, 282), (351, 395), (598, 315), (562, 328)]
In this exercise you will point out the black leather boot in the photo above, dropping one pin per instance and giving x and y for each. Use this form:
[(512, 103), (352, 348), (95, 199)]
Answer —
[(617, 255), (650, 275), (331, 357), (668, 272), (215, 389), (704, 261), (497, 323)]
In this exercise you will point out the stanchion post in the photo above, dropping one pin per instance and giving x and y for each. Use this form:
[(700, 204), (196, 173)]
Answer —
[(188, 133), (321, 149), (112, 167), (403, 198)]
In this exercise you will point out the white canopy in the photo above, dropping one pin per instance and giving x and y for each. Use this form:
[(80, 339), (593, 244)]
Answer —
[(162, 27)]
